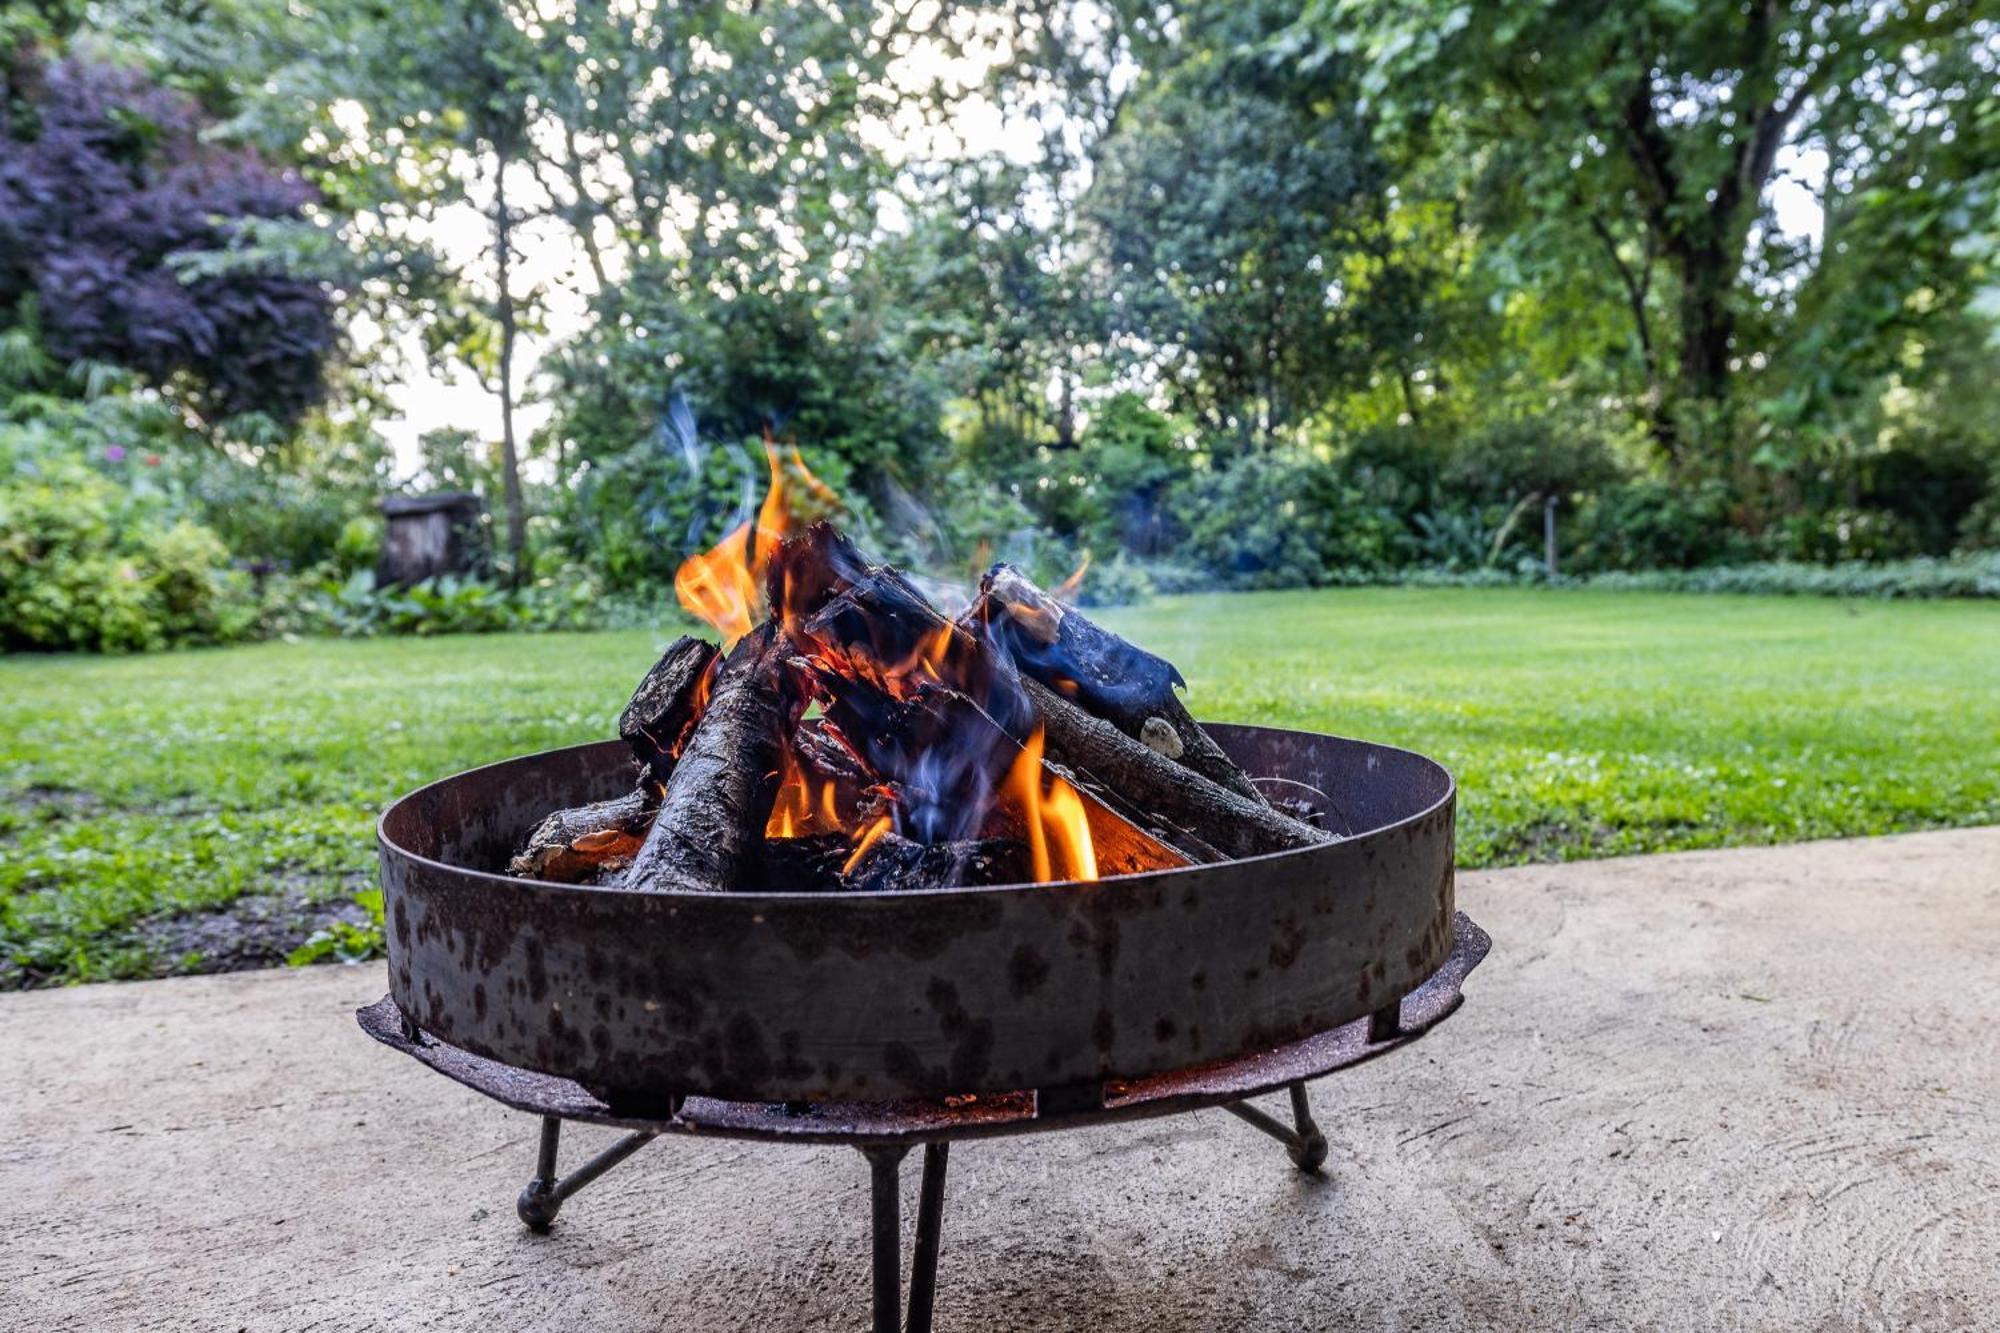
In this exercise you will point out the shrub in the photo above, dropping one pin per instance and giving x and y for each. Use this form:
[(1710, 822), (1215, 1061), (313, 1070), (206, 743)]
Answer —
[(1932, 483), (1656, 525), (1973, 576), (1279, 521), (1981, 529), (86, 566), (1828, 536), (355, 607)]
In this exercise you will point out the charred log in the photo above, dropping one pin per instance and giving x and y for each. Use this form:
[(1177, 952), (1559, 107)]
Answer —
[(810, 569), (1129, 687), (810, 864), (712, 817), (945, 754), (892, 864), (585, 844), (871, 621), (662, 711), (1227, 820)]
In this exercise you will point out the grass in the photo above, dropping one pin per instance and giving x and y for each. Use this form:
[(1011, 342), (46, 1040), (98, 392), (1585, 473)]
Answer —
[(1580, 724)]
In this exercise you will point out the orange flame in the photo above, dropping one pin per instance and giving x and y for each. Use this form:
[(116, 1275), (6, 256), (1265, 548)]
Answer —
[(725, 584), (804, 805), (1066, 590), (1054, 818), (869, 837)]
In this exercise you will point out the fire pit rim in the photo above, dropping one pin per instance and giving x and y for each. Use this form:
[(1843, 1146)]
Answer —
[(384, 842)]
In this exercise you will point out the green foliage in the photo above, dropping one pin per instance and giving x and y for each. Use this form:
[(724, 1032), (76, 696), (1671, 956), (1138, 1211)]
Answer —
[(1228, 203), (1578, 722), (86, 566), (1976, 576), (1284, 294), (1134, 457), (1280, 520), (344, 941), (1650, 524), (453, 604)]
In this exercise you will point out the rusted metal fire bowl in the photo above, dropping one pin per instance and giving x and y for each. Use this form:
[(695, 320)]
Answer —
[(644, 999)]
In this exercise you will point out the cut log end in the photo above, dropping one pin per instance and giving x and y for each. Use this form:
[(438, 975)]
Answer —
[(587, 845)]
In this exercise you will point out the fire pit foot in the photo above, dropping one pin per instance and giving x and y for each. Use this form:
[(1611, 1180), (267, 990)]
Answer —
[(1303, 1141), (543, 1196), (884, 1165)]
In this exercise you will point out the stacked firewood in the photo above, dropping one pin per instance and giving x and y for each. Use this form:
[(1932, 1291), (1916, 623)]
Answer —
[(860, 739)]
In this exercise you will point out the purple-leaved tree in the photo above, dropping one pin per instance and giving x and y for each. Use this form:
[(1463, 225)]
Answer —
[(104, 180)]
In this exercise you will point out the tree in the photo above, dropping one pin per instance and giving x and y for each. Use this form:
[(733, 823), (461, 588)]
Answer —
[(113, 209), (1646, 135), (1232, 205), (450, 91)]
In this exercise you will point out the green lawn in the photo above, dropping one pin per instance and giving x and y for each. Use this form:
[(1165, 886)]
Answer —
[(1579, 723)]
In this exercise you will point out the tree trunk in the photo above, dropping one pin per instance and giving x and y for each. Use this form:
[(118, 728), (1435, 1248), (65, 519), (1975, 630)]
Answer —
[(1707, 322), (510, 459)]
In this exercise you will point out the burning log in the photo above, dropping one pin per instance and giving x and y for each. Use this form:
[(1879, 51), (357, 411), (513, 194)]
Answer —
[(938, 743), (928, 768), (879, 624), (664, 707), (1127, 686), (951, 759), (830, 761), (587, 844), (719, 795), (1225, 819), (811, 568)]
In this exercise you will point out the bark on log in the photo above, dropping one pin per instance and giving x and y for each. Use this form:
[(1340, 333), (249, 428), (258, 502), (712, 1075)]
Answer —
[(1129, 687), (1189, 844), (657, 720), (1229, 821), (584, 844), (829, 760), (711, 820)]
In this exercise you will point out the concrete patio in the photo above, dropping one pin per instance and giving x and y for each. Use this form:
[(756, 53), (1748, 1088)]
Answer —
[(1750, 1089)]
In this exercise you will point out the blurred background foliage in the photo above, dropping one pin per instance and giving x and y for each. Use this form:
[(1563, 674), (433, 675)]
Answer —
[(1257, 296)]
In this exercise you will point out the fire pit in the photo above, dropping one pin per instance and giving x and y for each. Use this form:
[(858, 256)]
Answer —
[(891, 1020), (1000, 881)]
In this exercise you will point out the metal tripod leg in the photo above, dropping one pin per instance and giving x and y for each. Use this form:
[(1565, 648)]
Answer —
[(1302, 1138), (543, 1196), (884, 1166)]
